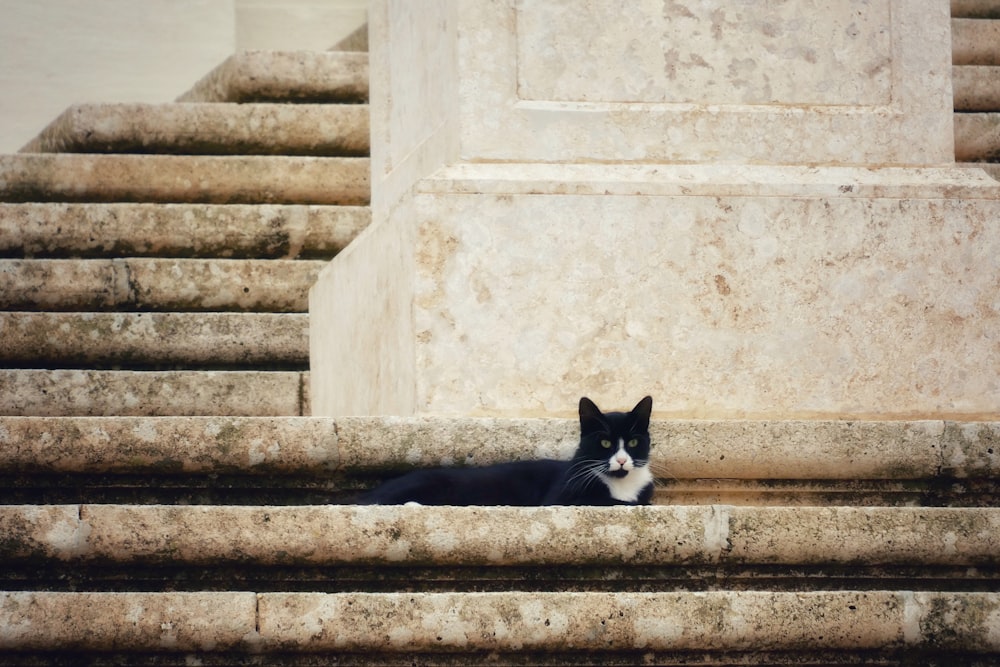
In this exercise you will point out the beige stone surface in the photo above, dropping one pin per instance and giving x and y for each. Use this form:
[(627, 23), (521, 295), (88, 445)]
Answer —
[(254, 179), (481, 536), (186, 445), (46, 621), (504, 622), (977, 136), (798, 293), (209, 129), (89, 393), (280, 76), (137, 339), (975, 42), (975, 88), (656, 621), (178, 230), (687, 449), (811, 451), (697, 84), (157, 284)]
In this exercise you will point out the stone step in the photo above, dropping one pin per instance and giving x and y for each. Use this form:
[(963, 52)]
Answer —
[(88, 393), (154, 340), (975, 42), (696, 462), (208, 129), (252, 179), (975, 9), (976, 88), (285, 76), (715, 627), (178, 230), (977, 137), (268, 285), (446, 537)]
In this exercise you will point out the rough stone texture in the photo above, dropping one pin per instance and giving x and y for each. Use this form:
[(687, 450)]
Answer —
[(148, 339), (208, 129), (975, 88), (732, 449), (289, 76), (793, 86), (127, 621), (975, 42), (481, 536), (806, 462), (741, 298), (157, 284), (254, 179), (975, 9), (50, 393), (977, 136), (473, 622), (178, 230), (658, 621), (245, 445)]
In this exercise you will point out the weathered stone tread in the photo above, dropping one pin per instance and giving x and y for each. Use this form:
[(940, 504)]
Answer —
[(501, 622), (208, 129), (89, 393), (470, 536), (254, 179), (975, 42), (975, 87), (977, 136), (169, 445), (178, 230), (157, 284), (137, 340), (285, 76)]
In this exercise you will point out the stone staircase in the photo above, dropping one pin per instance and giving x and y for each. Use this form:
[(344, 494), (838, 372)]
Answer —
[(164, 499)]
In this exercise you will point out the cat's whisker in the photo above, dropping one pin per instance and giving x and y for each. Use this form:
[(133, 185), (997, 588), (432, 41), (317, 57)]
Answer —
[(660, 471)]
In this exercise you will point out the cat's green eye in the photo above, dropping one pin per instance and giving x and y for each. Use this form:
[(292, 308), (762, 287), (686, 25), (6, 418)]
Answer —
[(606, 444), (634, 442)]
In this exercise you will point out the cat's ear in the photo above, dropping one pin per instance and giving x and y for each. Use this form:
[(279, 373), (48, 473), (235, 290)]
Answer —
[(641, 413), (591, 416)]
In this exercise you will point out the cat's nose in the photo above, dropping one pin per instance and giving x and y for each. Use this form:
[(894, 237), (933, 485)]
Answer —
[(621, 460)]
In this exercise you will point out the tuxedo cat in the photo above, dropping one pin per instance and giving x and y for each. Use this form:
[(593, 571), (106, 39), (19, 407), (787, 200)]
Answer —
[(610, 467)]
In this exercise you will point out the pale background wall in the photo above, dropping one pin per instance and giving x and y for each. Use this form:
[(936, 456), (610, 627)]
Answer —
[(54, 53)]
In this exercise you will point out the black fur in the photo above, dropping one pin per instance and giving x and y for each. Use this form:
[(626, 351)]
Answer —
[(586, 479)]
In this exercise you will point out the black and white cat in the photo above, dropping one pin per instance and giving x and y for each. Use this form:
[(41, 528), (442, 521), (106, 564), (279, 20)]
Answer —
[(610, 467)]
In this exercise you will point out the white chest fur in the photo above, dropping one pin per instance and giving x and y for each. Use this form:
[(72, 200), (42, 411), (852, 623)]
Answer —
[(628, 488)]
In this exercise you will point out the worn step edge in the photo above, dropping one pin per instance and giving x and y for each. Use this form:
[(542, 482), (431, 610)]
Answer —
[(975, 88), (253, 179), (285, 76), (158, 284), (91, 393), (169, 445), (178, 230), (977, 136), (482, 536), (683, 450), (501, 622), (208, 129), (975, 42), (124, 340), (992, 169), (975, 9)]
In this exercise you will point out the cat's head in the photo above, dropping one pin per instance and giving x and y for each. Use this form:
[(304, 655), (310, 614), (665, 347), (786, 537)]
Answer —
[(618, 439)]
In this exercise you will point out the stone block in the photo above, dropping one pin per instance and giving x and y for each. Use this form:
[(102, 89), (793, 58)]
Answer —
[(177, 445), (207, 179), (178, 230), (725, 293), (86, 393), (133, 622)]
